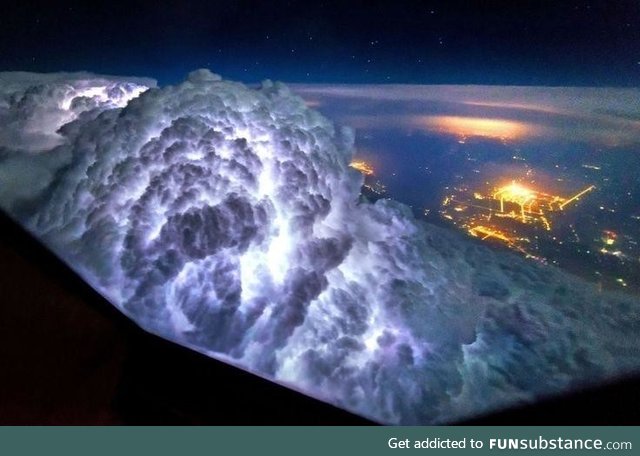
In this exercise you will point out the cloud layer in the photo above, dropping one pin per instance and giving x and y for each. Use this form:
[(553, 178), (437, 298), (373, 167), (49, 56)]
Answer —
[(227, 219), (601, 115)]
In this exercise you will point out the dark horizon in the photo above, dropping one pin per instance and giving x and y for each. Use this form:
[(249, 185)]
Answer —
[(538, 43)]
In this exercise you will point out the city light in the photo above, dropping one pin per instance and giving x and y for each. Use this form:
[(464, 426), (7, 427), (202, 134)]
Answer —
[(516, 214), (485, 232), (609, 237), (465, 127), (577, 196), (518, 194), (362, 166)]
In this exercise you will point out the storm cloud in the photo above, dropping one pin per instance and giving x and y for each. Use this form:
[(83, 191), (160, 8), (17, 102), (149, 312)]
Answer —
[(227, 219)]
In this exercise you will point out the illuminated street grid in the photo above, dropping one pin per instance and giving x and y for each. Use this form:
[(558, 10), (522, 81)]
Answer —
[(535, 222)]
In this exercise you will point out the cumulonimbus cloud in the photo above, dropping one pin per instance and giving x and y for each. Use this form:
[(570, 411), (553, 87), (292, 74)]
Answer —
[(227, 219)]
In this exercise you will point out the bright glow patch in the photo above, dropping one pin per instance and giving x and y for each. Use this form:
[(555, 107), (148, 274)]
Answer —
[(475, 126), (515, 192), (90, 92), (362, 166)]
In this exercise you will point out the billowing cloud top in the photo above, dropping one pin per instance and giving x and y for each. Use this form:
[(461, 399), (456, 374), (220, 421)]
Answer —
[(227, 219)]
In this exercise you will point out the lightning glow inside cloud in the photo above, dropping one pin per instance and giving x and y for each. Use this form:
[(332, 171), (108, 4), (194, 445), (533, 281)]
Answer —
[(227, 219)]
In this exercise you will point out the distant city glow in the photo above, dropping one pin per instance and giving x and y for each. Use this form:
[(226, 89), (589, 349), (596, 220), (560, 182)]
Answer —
[(513, 214), (362, 166), (476, 126), (515, 192)]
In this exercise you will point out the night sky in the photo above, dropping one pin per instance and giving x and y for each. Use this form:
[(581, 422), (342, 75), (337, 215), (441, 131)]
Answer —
[(470, 42)]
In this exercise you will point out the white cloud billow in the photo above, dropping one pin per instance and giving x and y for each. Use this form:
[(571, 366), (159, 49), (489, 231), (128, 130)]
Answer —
[(227, 219)]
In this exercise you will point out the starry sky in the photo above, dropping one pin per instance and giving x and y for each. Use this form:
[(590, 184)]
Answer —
[(524, 42)]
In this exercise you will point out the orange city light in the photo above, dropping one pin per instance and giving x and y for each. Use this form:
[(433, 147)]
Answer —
[(515, 192), (362, 166), (477, 126)]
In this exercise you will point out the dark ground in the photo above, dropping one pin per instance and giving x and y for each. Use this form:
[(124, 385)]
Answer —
[(68, 357)]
